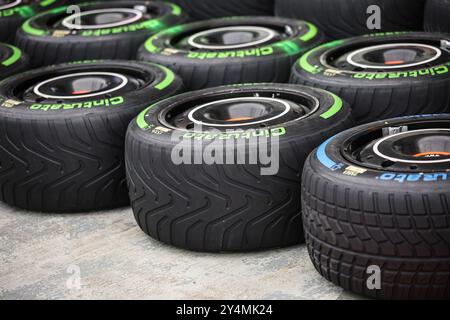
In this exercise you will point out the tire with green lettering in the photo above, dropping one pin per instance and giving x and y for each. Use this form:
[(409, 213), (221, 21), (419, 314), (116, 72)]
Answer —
[(232, 50), (208, 9), (347, 18), (63, 132), (12, 60), (199, 172), (437, 16), (382, 75), (14, 12), (112, 30), (376, 208)]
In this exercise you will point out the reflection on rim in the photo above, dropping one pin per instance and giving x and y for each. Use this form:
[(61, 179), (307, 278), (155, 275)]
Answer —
[(123, 83), (10, 5), (267, 33), (285, 105), (67, 22), (376, 148), (396, 64)]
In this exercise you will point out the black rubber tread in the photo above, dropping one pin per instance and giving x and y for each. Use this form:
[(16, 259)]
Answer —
[(351, 224), (49, 49), (10, 67), (208, 9), (206, 73), (44, 54), (373, 100), (371, 104), (437, 14), (10, 24), (8, 28), (346, 18), (218, 208), (70, 160)]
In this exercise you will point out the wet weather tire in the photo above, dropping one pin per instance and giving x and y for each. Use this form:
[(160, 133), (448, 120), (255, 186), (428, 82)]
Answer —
[(268, 62), (208, 9), (361, 220), (437, 16), (12, 60), (379, 94), (66, 155), (225, 207), (48, 43), (346, 18), (14, 13)]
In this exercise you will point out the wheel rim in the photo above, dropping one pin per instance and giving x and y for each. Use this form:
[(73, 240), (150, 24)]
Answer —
[(80, 85), (394, 56), (410, 147), (388, 57), (425, 146), (102, 18), (247, 110), (231, 37), (11, 4)]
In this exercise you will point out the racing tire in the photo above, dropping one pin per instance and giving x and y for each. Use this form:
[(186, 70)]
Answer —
[(381, 90), (63, 150), (266, 58), (209, 9), (14, 13), (347, 18), (48, 42), (436, 16), (212, 206), (12, 60), (376, 226)]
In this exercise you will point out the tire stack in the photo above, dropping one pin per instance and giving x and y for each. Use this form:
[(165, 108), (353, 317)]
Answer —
[(241, 125)]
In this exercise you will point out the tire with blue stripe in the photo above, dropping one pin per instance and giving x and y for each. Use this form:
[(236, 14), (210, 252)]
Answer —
[(377, 224)]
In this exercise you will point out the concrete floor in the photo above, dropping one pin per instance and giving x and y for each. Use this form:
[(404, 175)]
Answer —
[(106, 256)]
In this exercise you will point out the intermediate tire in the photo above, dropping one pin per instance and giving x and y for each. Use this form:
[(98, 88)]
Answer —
[(63, 131), (105, 30), (376, 208), (347, 18), (209, 9), (198, 200), (12, 60), (436, 16), (382, 76), (13, 13), (231, 50)]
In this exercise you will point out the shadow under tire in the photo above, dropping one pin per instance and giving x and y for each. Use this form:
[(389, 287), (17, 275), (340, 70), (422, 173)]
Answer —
[(220, 51), (63, 132), (363, 213), (12, 60), (370, 74), (112, 30), (213, 206)]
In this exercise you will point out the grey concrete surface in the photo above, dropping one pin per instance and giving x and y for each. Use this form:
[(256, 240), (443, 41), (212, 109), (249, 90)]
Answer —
[(106, 256)]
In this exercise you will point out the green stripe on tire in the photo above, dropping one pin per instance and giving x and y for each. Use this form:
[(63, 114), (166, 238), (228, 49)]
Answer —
[(14, 57), (335, 108)]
